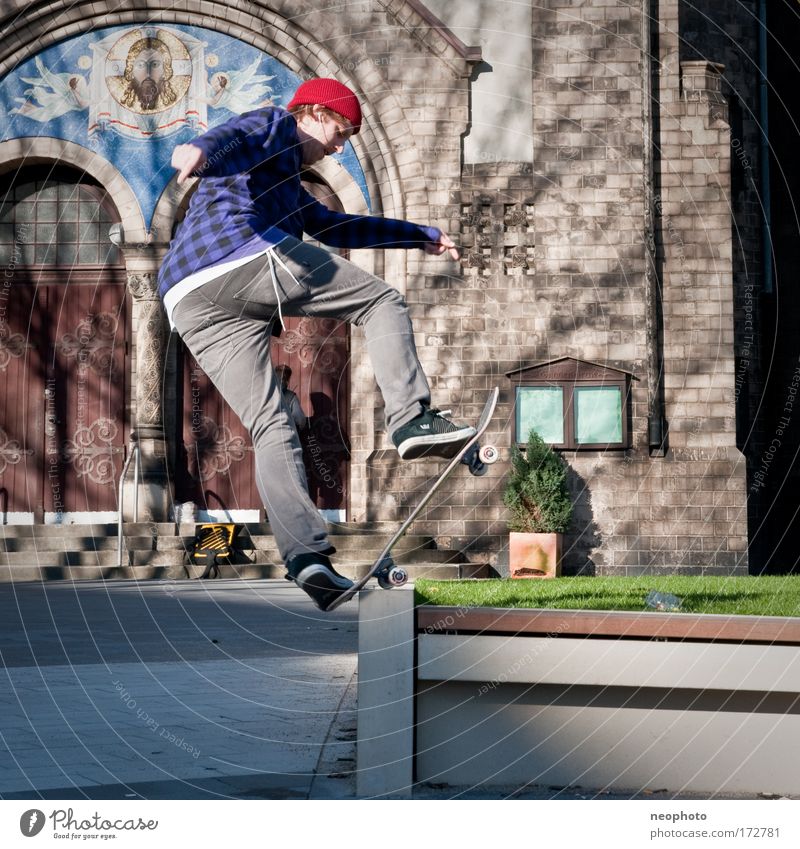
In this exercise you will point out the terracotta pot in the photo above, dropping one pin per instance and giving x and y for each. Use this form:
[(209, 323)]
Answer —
[(534, 555)]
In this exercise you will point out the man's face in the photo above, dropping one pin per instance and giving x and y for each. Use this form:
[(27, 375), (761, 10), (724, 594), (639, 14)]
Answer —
[(321, 135), (149, 63)]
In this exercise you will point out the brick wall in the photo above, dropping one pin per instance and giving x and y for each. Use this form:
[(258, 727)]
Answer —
[(554, 265), (556, 261), (636, 512)]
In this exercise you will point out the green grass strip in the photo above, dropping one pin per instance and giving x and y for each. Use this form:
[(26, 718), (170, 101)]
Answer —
[(744, 596)]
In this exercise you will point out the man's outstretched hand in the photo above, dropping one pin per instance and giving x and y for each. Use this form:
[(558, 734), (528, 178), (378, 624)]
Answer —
[(444, 245), (187, 159)]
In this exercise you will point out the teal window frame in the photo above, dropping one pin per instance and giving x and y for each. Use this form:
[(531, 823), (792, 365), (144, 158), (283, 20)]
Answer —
[(570, 393)]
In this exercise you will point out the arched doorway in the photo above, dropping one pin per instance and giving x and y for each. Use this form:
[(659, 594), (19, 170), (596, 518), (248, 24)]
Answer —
[(63, 332), (218, 471)]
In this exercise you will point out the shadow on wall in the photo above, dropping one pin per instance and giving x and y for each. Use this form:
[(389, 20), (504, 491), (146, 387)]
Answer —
[(584, 537)]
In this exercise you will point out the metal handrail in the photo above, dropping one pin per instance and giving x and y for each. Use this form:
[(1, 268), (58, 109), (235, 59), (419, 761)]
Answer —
[(133, 454)]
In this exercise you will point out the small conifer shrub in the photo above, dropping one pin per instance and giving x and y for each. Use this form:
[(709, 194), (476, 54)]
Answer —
[(536, 492)]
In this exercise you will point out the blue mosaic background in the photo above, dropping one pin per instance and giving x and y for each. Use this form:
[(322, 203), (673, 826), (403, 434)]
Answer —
[(145, 162)]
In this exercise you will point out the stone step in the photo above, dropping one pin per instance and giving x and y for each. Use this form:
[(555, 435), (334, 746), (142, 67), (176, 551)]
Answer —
[(366, 546), (167, 572), (363, 546), (76, 543), (86, 573), (344, 543), (178, 557), (48, 532), (366, 555), (58, 559), (163, 542), (438, 571), (263, 528), (56, 536), (160, 550)]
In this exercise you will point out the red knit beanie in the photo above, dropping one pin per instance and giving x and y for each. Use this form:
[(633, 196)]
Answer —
[(333, 95)]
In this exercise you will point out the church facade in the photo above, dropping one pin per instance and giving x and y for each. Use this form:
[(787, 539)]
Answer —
[(602, 166)]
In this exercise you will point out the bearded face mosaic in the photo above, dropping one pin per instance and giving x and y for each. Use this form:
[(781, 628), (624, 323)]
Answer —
[(132, 93)]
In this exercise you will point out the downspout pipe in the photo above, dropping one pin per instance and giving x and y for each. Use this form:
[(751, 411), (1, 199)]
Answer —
[(656, 420)]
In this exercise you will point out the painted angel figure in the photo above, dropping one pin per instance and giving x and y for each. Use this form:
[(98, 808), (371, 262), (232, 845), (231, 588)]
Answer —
[(56, 93), (226, 89)]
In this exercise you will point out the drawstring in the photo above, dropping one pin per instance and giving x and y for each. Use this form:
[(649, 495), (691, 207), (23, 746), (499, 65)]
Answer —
[(273, 258)]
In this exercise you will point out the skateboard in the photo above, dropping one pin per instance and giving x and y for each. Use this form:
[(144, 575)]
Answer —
[(476, 458)]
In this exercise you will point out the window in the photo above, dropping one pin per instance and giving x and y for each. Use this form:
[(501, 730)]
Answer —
[(572, 404), (56, 221), (541, 408), (598, 414)]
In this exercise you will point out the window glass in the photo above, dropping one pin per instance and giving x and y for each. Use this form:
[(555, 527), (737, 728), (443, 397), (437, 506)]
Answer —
[(47, 211), (67, 253), (87, 253), (540, 408), (28, 253), (67, 231), (45, 233), (25, 212), (598, 414), (51, 217), (69, 211)]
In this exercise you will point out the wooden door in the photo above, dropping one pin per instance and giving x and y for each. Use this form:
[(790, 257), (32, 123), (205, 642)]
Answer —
[(85, 397), (22, 381), (63, 332), (317, 352), (62, 383), (219, 472)]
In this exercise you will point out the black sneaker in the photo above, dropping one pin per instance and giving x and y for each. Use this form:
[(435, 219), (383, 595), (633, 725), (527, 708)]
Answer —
[(431, 435), (314, 575)]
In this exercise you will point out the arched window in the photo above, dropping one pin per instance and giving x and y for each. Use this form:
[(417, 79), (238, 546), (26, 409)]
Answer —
[(57, 219)]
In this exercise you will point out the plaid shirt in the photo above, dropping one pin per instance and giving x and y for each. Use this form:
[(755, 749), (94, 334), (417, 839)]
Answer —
[(250, 197)]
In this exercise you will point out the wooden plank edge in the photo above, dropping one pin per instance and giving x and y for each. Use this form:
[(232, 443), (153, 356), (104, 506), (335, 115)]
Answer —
[(572, 623)]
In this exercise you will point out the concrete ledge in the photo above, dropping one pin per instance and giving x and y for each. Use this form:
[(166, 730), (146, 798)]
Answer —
[(608, 663), (563, 699), (385, 693)]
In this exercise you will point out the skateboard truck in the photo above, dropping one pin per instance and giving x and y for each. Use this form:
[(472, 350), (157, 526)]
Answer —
[(479, 457)]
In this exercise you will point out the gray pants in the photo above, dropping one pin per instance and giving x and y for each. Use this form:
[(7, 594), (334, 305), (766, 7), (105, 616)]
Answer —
[(226, 324)]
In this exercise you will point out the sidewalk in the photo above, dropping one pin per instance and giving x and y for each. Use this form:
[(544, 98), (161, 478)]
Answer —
[(175, 690)]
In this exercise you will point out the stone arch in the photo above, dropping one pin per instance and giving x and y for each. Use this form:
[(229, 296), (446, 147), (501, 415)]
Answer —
[(295, 46), (342, 183), (18, 153)]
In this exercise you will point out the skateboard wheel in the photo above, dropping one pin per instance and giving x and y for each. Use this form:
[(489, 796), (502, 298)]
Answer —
[(397, 576), (488, 454)]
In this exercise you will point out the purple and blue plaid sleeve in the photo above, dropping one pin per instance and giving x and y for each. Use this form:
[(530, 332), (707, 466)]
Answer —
[(341, 230)]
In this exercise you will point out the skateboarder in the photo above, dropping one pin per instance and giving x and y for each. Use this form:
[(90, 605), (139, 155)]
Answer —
[(238, 265)]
